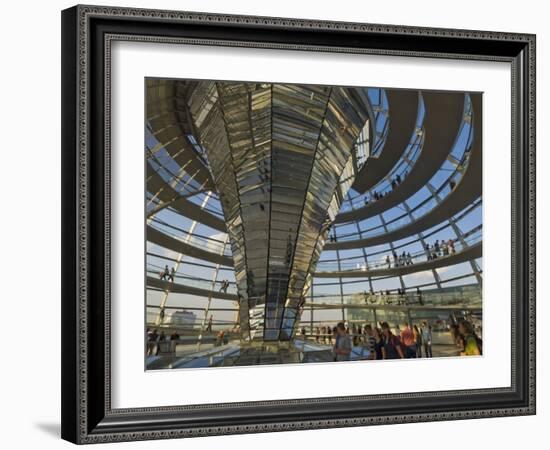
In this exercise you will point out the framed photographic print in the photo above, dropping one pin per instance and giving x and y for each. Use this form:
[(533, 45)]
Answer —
[(280, 224)]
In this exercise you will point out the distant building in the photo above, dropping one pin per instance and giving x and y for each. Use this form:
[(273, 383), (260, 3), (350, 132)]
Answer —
[(184, 319)]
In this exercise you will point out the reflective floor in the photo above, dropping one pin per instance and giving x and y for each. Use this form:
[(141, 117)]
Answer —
[(299, 352), (234, 355)]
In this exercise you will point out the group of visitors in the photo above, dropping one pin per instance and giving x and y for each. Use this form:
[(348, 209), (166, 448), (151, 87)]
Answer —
[(387, 297), (375, 195), (410, 341), (440, 248), (167, 274), (382, 343), (324, 334), (396, 181), (404, 259), (154, 341)]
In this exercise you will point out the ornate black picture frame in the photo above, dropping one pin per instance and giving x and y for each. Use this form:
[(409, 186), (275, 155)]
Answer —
[(87, 34)]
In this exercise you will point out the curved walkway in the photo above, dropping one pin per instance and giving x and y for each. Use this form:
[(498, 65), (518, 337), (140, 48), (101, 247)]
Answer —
[(170, 198), (158, 237), (475, 251), (402, 308), (185, 289), (169, 119), (442, 122), (403, 108), (466, 192), (155, 283)]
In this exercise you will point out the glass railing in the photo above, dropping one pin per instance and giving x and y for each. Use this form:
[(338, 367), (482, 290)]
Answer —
[(221, 248), (156, 271), (205, 243), (467, 296), (164, 164), (389, 262)]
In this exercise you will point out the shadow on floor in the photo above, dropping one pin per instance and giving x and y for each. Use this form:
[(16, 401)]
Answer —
[(53, 429)]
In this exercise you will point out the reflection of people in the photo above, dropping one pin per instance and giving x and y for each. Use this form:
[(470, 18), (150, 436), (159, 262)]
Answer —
[(165, 273), (209, 325), (342, 344)]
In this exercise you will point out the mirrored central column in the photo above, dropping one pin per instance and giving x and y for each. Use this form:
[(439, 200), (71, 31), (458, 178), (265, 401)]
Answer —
[(281, 158)]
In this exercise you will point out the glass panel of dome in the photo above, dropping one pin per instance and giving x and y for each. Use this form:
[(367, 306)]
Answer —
[(356, 286), (393, 214), (418, 197), (377, 249), (456, 270), (425, 277), (344, 230), (328, 255), (391, 283), (370, 223), (473, 218), (470, 280)]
